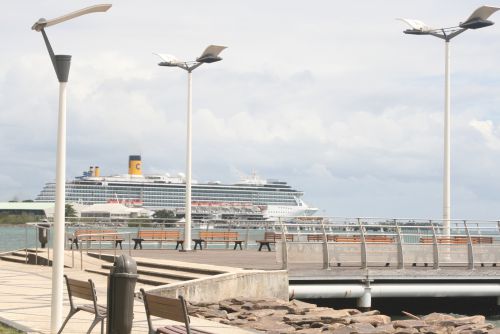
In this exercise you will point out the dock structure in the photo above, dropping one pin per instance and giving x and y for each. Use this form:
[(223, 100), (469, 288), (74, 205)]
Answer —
[(346, 258)]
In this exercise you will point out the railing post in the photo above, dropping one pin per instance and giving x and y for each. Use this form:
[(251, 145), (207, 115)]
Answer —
[(284, 245), (81, 254), (435, 249), (470, 249), (326, 254), (36, 248), (48, 247), (401, 260), (364, 262), (26, 243), (129, 244), (246, 234)]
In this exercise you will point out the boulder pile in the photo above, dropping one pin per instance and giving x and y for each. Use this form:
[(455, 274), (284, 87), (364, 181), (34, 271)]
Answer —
[(277, 316)]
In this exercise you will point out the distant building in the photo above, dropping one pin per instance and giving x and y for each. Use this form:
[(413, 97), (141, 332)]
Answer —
[(44, 210)]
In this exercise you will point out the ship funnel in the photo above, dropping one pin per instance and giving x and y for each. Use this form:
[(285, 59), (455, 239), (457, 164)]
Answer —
[(97, 171), (91, 171), (134, 165)]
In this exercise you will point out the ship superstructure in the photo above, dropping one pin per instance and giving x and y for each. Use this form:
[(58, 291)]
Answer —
[(274, 198)]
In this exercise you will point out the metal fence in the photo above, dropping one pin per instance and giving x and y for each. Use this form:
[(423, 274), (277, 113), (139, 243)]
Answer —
[(322, 241)]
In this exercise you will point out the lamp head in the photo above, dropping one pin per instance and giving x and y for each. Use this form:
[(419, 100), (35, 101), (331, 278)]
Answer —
[(208, 59), (415, 32), (167, 63), (40, 24), (476, 24)]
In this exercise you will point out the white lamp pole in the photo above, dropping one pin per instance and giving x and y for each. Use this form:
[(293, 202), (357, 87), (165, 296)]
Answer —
[(61, 65), (210, 55), (478, 19)]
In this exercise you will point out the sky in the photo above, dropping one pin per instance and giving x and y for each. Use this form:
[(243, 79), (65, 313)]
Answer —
[(329, 96)]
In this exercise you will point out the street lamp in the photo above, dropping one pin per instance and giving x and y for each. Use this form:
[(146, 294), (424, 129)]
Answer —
[(478, 19), (61, 65), (210, 55)]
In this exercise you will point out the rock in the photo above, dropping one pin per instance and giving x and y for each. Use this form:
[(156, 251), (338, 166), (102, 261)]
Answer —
[(456, 322), (386, 329), (236, 301), (299, 320), (433, 318), (494, 331), (332, 327), (362, 327), (433, 329), (247, 306), (210, 313), (410, 324), (402, 330), (331, 313), (229, 307), (485, 326), (344, 330), (371, 319), (269, 325), (272, 304), (238, 322), (260, 313), (374, 312), (298, 303), (310, 331)]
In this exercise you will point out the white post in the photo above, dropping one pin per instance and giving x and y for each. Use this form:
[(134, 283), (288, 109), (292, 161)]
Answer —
[(59, 216), (187, 227), (446, 172)]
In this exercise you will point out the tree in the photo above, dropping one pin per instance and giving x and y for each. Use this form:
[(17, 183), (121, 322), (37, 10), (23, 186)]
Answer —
[(69, 211), (164, 214)]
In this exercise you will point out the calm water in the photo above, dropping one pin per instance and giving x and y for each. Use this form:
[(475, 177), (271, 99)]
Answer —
[(16, 237)]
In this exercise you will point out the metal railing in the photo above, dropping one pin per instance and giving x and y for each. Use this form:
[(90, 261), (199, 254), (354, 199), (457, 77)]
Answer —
[(323, 241), (400, 243)]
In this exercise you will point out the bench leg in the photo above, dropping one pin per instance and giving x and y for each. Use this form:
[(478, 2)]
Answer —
[(137, 243), (95, 322), (260, 247), (118, 242), (268, 246), (180, 243), (236, 243), (198, 243), (70, 314)]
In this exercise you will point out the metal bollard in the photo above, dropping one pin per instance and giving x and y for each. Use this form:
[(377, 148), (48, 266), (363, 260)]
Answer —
[(121, 285)]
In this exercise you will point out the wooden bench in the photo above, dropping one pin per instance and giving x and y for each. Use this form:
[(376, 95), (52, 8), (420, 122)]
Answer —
[(456, 240), (319, 237), (218, 237), (168, 308), (84, 290), (272, 238), (368, 238), (95, 235), (158, 236)]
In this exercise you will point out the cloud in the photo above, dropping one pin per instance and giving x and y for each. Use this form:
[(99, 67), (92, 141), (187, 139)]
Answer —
[(488, 133)]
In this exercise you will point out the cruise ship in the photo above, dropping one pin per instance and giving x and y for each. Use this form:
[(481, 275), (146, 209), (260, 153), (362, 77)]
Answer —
[(273, 198)]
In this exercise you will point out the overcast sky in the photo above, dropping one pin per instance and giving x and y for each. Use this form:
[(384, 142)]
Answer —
[(329, 96)]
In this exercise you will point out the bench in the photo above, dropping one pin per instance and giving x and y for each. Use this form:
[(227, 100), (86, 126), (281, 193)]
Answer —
[(95, 235), (319, 237), (368, 238), (209, 236), (168, 308), (456, 240), (272, 238), (84, 290), (158, 236)]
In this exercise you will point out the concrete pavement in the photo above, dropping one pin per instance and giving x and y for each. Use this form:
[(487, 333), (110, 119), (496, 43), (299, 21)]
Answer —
[(25, 292)]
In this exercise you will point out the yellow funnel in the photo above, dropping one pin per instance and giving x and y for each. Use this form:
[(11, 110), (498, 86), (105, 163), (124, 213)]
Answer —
[(134, 165)]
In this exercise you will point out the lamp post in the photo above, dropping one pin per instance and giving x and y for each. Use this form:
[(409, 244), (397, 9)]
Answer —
[(61, 65), (478, 19), (210, 55)]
